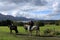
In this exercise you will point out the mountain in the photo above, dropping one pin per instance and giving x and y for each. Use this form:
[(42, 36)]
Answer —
[(5, 17)]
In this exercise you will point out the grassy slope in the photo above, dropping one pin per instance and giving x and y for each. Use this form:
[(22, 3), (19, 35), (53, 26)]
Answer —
[(5, 35)]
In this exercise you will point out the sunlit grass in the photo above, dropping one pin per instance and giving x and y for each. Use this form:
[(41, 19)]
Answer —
[(5, 34)]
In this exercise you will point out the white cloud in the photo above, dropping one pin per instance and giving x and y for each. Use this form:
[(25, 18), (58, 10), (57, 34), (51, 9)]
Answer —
[(26, 8), (55, 11)]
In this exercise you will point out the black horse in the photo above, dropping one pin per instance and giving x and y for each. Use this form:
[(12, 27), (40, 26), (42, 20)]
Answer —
[(13, 27)]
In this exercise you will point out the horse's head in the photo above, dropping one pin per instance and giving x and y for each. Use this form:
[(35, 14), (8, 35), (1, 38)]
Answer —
[(26, 27)]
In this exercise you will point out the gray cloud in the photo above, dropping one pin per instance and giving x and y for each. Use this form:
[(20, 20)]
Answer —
[(35, 2), (7, 8), (56, 11), (40, 2), (20, 1), (7, 5), (22, 6)]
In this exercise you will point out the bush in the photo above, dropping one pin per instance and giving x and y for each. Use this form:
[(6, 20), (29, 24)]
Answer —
[(48, 32), (57, 33)]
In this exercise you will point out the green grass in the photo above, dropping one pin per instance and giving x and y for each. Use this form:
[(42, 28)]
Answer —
[(5, 35), (52, 27)]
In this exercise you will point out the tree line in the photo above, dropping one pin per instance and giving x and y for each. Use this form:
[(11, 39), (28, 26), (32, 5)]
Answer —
[(9, 22), (39, 23)]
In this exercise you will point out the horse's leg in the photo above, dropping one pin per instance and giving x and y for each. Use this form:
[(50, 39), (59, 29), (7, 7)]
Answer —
[(30, 30), (10, 31), (30, 33), (16, 31), (37, 32), (26, 29)]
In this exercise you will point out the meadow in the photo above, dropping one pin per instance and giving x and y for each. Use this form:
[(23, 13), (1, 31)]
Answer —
[(5, 34)]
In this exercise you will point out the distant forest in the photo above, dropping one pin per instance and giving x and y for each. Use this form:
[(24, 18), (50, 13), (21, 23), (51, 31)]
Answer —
[(39, 22)]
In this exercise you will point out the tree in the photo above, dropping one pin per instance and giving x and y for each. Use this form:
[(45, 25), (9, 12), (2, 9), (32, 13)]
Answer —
[(38, 23), (9, 22)]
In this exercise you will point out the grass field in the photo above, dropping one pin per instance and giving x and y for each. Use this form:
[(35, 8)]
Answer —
[(52, 27), (5, 35)]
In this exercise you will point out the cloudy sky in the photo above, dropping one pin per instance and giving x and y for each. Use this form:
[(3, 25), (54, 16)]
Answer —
[(38, 9)]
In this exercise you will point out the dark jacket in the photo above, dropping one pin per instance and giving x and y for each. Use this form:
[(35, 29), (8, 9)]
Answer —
[(31, 23)]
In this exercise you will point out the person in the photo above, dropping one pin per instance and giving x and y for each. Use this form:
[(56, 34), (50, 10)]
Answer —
[(31, 23)]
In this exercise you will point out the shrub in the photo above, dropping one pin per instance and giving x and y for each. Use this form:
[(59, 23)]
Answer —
[(57, 33), (48, 32)]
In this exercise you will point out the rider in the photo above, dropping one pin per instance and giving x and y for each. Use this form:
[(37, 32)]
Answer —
[(31, 23)]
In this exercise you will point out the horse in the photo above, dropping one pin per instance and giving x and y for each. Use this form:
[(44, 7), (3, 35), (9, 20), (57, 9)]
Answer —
[(13, 27), (27, 28)]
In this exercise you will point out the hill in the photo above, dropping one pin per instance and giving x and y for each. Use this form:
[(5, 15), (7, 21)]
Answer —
[(5, 17)]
